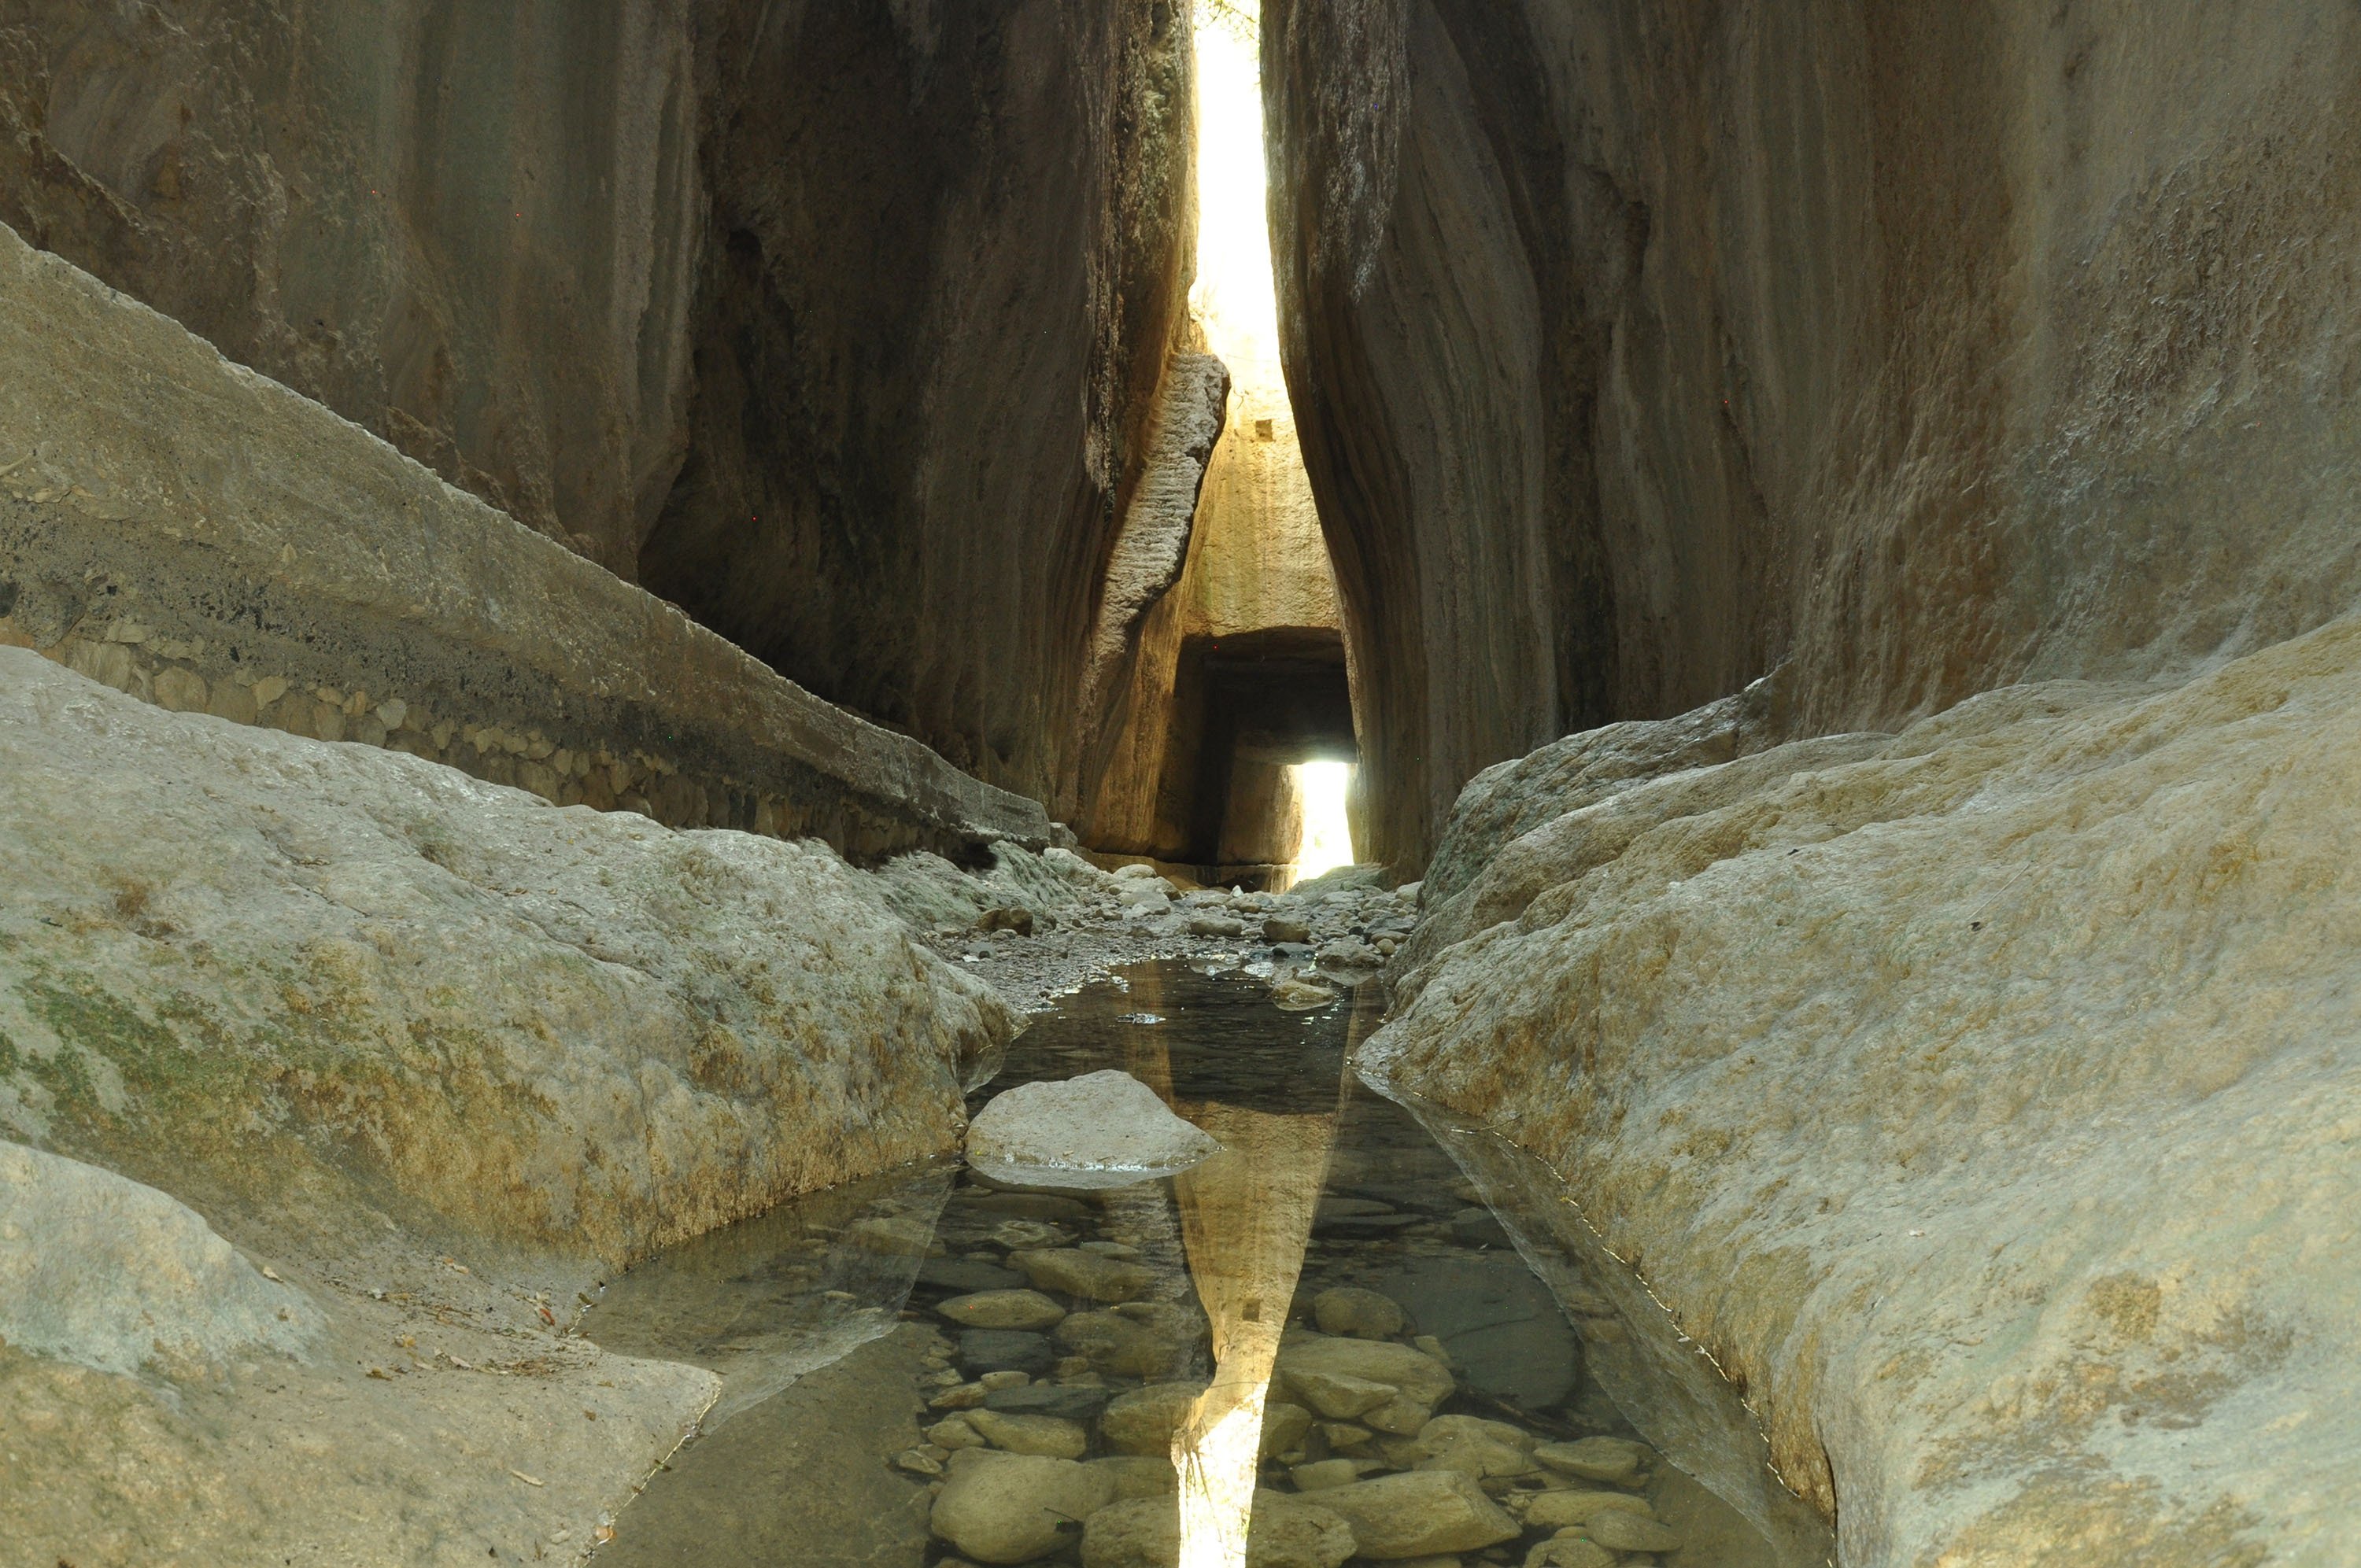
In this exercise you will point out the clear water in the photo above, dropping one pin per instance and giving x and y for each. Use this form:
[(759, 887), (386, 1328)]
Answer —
[(827, 1445)]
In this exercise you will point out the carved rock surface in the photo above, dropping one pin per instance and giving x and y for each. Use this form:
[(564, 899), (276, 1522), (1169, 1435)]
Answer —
[(1637, 349)]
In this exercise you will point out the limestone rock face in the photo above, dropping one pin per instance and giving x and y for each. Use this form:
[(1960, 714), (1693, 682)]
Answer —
[(1975, 1098), (275, 965), (942, 274), (102, 1271), (1637, 349), (838, 322)]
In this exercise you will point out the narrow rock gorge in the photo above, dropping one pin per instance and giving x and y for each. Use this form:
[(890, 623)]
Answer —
[(1612, 745)]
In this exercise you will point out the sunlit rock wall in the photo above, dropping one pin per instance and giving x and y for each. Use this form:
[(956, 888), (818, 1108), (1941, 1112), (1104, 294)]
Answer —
[(1931, 347)]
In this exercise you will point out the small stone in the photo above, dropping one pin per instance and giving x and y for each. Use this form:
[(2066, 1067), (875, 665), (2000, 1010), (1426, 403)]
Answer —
[(1135, 1475), (1013, 918), (1067, 1401), (1344, 1434), (895, 1234), (1569, 1551), (182, 691), (1321, 1475), (1222, 925), (1019, 1234), (1360, 1314), (1143, 1340), (1564, 1510), (1294, 995), (953, 1433), (1044, 1436), (1619, 1530), (1284, 1427), (997, 1350), (1118, 1250), (1337, 1395), (918, 1463), (968, 1279), (1009, 1378), (1142, 1421), (1282, 929), (966, 1397), (1013, 1508), (1483, 1449), (1002, 1310), (1419, 1514), (1612, 1458), (1088, 1275)]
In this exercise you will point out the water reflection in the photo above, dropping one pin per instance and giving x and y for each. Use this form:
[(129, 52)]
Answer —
[(1354, 1321)]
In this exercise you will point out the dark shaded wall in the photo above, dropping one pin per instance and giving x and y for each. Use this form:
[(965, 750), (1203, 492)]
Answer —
[(947, 258), (836, 322), (1926, 346)]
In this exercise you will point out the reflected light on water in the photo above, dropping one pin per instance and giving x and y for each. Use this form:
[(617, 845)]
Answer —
[(1327, 834)]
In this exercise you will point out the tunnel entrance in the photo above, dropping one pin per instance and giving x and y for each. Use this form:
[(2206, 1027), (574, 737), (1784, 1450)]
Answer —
[(1271, 700)]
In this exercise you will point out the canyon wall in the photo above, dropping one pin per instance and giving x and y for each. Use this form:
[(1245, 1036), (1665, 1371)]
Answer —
[(839, 325), (1925, 347)]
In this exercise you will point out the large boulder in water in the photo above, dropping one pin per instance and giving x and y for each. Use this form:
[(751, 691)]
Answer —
[(1082, 1130)]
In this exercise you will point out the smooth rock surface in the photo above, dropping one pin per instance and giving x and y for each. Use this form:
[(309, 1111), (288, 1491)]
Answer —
[(1850, 1061), (1014, 1508), (99, 1270), (551, 1026), (1417, 1514), (1105, 1121)]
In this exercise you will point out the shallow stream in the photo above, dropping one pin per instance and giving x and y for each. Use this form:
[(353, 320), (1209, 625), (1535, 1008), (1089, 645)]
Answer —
[(1363, 1327)]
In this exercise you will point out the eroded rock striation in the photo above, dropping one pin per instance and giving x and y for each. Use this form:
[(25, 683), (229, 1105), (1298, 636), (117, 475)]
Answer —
[(1638, 348), (1973, 1093)]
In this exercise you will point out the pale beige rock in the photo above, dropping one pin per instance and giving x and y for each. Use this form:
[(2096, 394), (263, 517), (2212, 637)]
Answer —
[(1614, 1459), (1045, 1435), (1571, 1550), (100, 1271), (552, 1027), (1287, 1533), (1562, 1511), (1098, 1122), (1854, 1062), (1014, 1508), (1419, 1514), (1619, 1530), (1142, 1421), (1002, 1310), (1418, 1378), (1486, 1450), (1350, 1310), (1088, 1276)]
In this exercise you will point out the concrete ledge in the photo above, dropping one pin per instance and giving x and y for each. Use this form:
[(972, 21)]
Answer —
[(185, 530)]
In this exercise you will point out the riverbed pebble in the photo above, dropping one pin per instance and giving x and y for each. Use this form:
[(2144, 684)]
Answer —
[(1045, 1435), (1357, 1313), (1014, 1508), (1088, 1275), (1617, 1461), (1002, 1310), (1420, 1512)]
